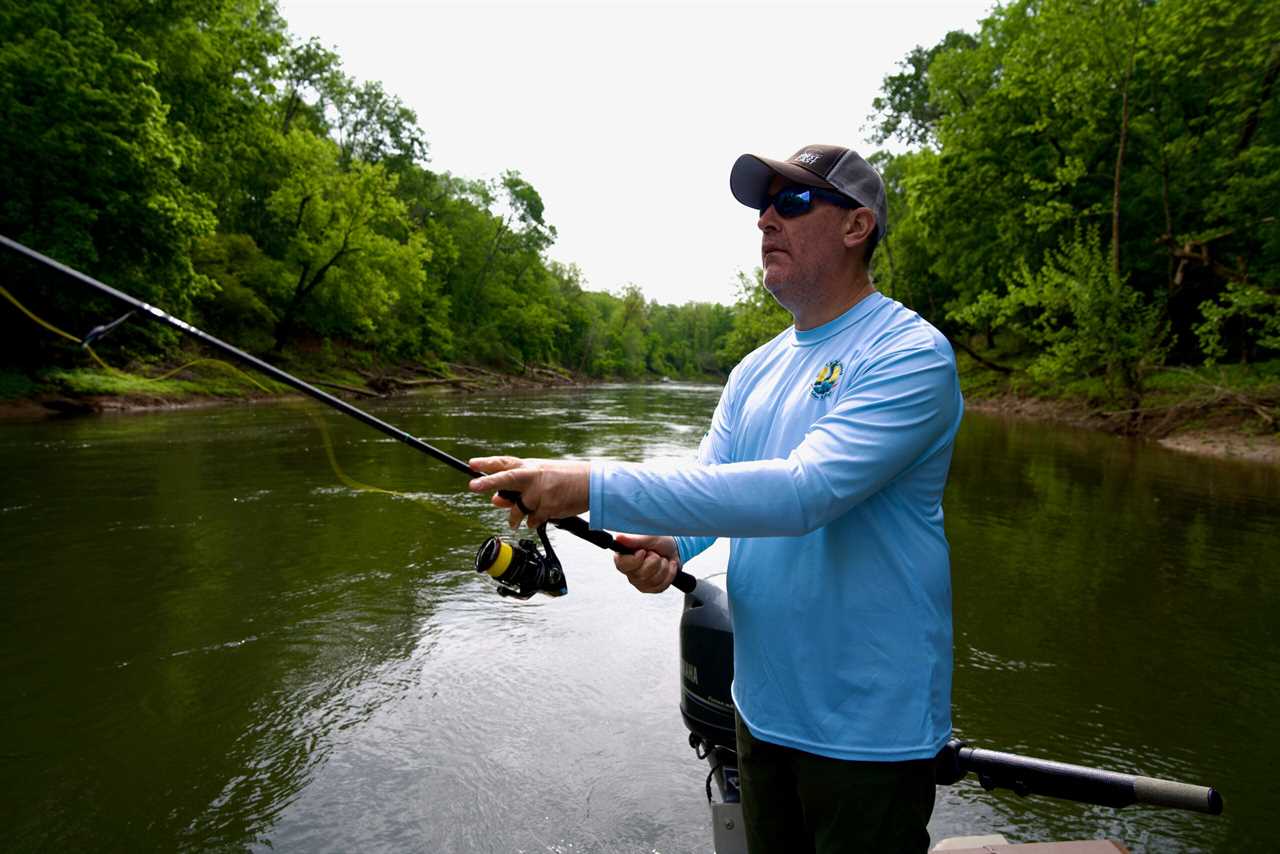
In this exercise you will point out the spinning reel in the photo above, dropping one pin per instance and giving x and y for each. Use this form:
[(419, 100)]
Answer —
[(520, 569)]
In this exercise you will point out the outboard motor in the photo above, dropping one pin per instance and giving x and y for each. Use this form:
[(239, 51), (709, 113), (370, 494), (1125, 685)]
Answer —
[(706, 673)]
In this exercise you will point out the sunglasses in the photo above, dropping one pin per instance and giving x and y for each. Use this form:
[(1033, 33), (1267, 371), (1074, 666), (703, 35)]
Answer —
[(796, 201)]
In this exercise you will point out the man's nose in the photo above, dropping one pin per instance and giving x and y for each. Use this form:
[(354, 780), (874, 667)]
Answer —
[(768, 220)]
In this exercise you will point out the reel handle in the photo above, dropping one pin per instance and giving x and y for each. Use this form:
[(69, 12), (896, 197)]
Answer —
[(576, 525)]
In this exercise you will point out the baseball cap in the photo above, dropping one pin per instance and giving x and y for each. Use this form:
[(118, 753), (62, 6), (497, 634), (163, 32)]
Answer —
[(830, 166)]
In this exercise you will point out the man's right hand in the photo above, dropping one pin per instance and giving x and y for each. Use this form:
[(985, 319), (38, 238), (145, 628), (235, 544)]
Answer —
[(653, 566)]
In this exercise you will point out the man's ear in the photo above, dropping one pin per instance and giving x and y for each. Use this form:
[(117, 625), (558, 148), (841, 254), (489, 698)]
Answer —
[(859, 225)]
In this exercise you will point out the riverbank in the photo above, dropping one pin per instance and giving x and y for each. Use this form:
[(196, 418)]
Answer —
[(1227, 412), (1224, 441), (205, 382)]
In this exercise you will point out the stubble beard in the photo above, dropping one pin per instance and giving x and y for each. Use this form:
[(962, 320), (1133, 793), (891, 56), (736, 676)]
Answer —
[(789, 290)]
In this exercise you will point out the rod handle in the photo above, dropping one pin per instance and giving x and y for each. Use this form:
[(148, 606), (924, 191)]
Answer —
[(1182, 796), (1028, 775), (576, 525)]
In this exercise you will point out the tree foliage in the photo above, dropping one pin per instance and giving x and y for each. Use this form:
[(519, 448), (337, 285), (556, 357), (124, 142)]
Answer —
[(1090, 178), (94, 173), (756, 321), (1088, 187), (198, 156), (1080, 317)]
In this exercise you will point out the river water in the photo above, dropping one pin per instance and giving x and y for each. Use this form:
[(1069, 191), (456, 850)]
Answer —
[(210, 643)]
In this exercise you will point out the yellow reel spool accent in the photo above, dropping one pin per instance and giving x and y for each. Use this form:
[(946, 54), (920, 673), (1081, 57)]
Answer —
[(503, 560)]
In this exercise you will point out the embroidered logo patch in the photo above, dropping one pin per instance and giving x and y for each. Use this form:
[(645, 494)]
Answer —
[(827, 379)]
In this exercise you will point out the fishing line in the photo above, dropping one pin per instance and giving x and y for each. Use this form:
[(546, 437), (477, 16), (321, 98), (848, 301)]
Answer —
[(325, 436), (85, 344), (526, 572)]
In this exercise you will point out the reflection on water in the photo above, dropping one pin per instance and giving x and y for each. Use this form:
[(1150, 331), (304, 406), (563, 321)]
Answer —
[(210, 643)]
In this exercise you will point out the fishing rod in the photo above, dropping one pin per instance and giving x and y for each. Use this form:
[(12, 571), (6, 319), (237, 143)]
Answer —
[(519, 569), (1029, 775)]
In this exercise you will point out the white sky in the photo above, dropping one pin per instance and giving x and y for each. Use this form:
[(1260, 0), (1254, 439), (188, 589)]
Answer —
[(627, 117)]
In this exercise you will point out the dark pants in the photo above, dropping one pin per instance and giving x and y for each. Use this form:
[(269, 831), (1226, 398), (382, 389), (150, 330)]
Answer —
[(795, 802)]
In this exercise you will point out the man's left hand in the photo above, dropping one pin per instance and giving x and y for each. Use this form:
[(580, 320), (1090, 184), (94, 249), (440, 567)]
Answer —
[(551, 489)]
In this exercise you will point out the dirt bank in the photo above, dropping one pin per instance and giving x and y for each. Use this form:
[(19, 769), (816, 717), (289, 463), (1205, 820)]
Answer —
[(1226, 435)]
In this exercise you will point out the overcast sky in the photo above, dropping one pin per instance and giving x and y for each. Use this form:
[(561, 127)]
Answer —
[(626, 117)]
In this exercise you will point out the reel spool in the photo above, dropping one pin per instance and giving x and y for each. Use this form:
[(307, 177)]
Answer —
[(520, 569)]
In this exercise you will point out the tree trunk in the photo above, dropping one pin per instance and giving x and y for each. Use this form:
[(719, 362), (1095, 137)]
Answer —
[(1124, 136), (1168, 214), (291, 106), (493, 252), (284, 329), (284, 326), (588, 347), (1268, 83), (959, 344)]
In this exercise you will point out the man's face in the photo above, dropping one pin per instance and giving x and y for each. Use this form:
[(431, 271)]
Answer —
[(798, 253)]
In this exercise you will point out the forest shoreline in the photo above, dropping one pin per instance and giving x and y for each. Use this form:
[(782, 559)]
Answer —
[(95, 392), (1223, 433)]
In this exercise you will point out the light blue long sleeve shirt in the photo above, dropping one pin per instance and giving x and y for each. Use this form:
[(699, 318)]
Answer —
[(825, 463)]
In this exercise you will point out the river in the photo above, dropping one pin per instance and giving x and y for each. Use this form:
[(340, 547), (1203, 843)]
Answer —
[(211, 643)]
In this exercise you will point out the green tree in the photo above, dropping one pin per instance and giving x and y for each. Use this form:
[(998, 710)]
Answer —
[(1152, 123), (309, 79), (905, 110), (93, 174), (1083, 320), (197, 155), (625, 336), (1214, 69), (239, 308), (376, 127), (757, 318), (349, 233), (506, 302)]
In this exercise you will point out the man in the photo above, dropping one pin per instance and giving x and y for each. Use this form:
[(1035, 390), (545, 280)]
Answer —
[(825, 462)]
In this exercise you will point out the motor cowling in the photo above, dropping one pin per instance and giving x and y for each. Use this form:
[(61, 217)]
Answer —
[(706, 665)]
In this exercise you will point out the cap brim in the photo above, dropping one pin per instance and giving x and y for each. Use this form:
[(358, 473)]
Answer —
[(749, 179)]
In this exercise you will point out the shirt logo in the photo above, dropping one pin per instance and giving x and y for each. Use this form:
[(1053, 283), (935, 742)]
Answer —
[(827, 379)]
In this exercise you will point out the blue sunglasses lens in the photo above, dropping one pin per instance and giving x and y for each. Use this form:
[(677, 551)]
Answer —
[(789, 202)]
